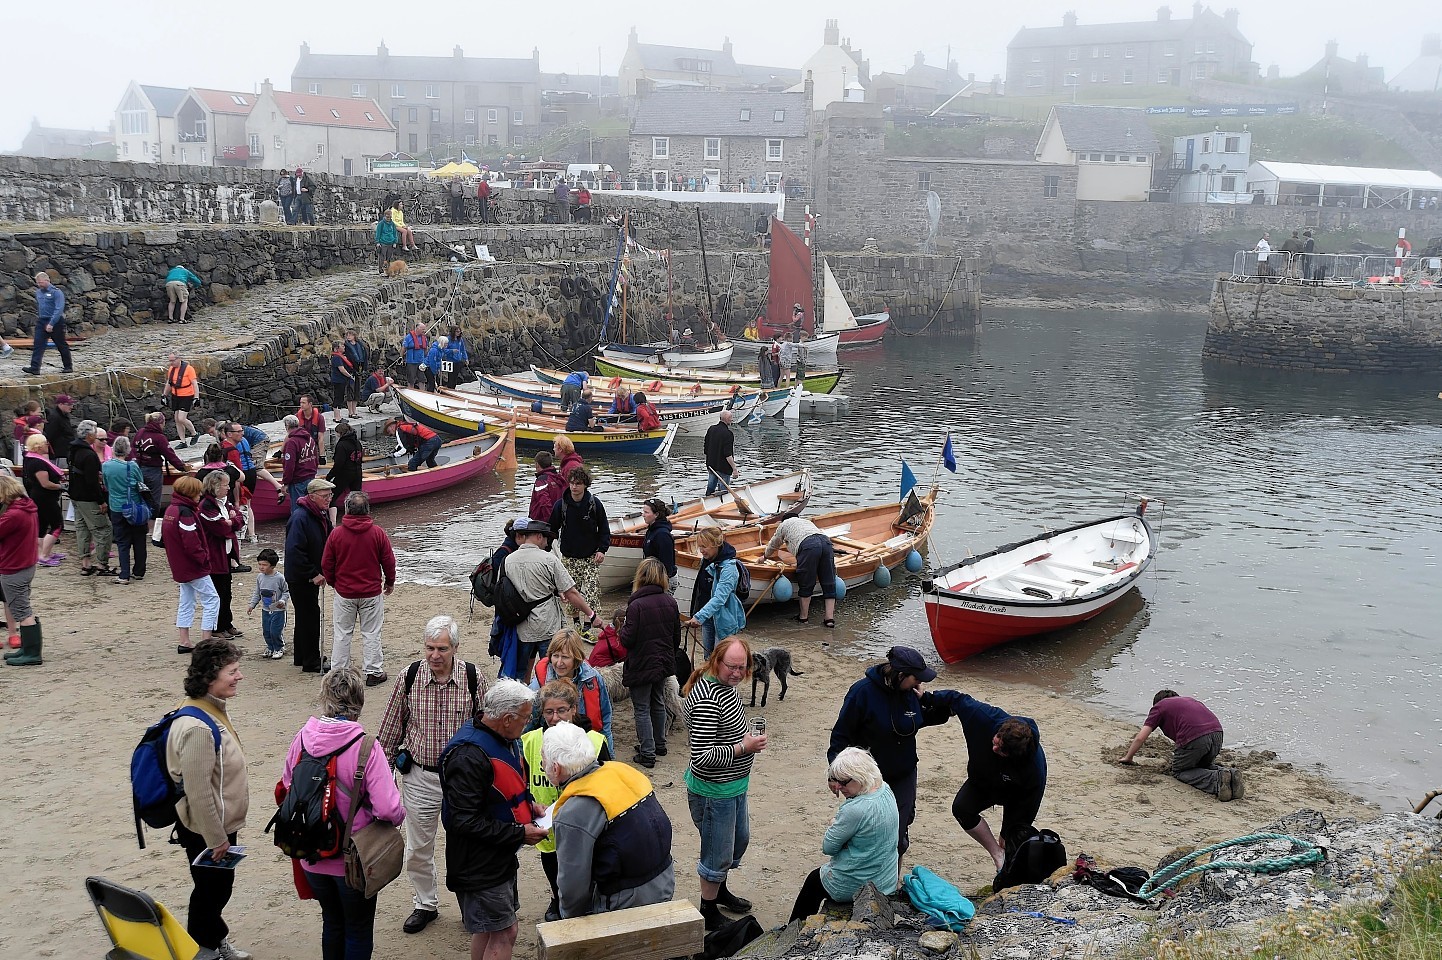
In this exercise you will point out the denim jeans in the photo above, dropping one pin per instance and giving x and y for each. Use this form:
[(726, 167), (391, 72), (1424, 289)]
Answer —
[(425, 452), (708, 637), (295, 491), (128, 539), (272, 627), (347, 918), (203, 590), (715, 480), (649, 700), (725, 828)]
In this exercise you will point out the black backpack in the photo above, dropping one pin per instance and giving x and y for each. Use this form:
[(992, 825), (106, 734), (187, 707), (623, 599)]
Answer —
[(511, 608), (743, 582), (473, 682), (1031, 859), (308, 825)]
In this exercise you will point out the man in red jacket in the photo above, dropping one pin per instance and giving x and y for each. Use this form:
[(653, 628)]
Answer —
[(360, 567), (299, 460)]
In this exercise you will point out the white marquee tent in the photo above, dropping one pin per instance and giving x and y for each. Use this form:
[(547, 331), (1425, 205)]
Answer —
[(1310, 184)]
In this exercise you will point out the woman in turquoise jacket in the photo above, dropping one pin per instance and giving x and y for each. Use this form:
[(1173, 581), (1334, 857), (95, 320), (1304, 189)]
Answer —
[(861, 841), (719, 613), (386, 240)]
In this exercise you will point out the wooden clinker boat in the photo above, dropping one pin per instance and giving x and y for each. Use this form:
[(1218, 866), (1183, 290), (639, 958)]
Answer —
[(461, 414)]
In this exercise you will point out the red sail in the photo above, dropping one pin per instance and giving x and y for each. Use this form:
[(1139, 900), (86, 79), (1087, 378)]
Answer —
[(791, 282)]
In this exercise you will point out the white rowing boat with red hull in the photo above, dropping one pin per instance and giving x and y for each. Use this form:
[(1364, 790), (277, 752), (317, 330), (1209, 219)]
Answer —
[(1039, 585)]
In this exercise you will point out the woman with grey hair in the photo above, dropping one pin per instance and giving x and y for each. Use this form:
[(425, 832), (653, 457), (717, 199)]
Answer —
[(347, 915), (122, 478), (861, 841), (219, 521)]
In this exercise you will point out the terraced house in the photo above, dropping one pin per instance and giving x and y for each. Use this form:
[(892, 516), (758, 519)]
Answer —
[(722, 138)]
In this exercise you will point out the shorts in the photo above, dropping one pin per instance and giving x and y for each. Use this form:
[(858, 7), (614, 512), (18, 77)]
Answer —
[(177, 290), (816, 563), (491, 909), (181, 403)]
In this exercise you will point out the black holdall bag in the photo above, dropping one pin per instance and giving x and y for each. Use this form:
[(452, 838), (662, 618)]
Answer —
[(1031, 859)]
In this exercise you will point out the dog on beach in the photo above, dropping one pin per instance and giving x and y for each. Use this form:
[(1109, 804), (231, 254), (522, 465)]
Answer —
[(773, 661), (395, 268)]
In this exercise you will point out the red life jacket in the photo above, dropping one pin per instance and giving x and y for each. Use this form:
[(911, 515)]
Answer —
[(419, 340), (590, 694), (419, 432), (646, 416)]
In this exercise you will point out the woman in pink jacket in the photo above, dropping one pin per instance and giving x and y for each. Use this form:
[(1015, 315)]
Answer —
[(347, 916)]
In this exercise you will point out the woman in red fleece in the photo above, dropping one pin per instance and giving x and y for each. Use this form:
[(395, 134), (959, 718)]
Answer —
[(189, 558), (19, 550)]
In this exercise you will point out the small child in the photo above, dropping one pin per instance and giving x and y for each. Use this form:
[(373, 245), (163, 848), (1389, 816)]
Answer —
[(271, 594), (608, 649)]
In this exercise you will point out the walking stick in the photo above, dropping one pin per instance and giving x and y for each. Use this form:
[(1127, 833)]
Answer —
[(325, 659)]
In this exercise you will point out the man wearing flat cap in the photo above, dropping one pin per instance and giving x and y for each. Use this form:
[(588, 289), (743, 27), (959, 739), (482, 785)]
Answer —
[(882, 713), (538, 575)]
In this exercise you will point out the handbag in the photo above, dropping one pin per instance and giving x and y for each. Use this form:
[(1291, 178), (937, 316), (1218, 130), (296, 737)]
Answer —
[(375, 855), (136, 512)]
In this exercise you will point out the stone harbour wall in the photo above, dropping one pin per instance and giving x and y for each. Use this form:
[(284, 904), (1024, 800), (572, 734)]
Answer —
[(1325, 329), (116, 278)]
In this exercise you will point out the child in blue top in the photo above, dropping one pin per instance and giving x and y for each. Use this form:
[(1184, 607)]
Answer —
[(271, 595)]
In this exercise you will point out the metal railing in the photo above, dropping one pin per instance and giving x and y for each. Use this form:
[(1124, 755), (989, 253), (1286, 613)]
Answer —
[(1337, 269)]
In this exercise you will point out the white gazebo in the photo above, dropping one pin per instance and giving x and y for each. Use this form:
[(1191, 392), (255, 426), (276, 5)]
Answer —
[(1317, 185)]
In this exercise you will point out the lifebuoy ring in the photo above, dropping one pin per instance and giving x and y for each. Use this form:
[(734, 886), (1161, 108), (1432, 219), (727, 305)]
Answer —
[(568, 288)]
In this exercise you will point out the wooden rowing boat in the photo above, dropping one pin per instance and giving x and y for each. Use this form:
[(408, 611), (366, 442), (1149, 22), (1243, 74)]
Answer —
[(773, 399), (691, 419), (1036, 586), (756, 503), (817, 381), (458, 414), (385, 478), (672, 354), (865, 539)]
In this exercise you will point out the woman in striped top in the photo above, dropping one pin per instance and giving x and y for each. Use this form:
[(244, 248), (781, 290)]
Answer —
[(722, 745)]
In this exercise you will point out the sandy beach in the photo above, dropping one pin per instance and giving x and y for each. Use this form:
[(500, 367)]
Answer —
[(111, 669)]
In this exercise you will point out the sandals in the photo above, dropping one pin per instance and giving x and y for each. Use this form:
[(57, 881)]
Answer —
[(88, 571), (800, 619), (829, 624)]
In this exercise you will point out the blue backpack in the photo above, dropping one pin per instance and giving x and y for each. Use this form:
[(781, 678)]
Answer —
[(152, 792), (942, 903)]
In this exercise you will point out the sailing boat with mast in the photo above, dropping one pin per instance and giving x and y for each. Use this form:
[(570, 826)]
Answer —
[(792, 285), (682, 354), (837, 317)]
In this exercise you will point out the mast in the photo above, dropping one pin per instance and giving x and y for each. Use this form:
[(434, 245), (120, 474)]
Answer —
[(615, 278), (705, 270)]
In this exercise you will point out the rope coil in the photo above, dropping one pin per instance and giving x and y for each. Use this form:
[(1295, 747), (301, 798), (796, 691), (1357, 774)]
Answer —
[(1305, 853)]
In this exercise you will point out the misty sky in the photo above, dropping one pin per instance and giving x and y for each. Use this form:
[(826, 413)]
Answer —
[(73, 60)]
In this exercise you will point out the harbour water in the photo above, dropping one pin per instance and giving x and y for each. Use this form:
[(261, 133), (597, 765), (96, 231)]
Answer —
[(1296, 590)]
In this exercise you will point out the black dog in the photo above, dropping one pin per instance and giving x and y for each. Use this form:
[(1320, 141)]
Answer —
[(771, 661)]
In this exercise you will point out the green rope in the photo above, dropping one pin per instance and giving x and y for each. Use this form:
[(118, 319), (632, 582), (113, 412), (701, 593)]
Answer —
[(1305, 854)]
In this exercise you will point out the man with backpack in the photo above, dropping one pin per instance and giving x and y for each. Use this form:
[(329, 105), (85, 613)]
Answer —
[(549, 487), (428, 704), (535, 579)]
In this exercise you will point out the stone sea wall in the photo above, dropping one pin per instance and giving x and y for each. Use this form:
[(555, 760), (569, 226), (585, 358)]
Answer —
[(1325, 329)]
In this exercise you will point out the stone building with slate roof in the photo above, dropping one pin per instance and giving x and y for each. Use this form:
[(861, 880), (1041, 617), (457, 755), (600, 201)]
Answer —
[(434, 101), (1088, 56), (1112, 148), (722, 136), (658, 66)]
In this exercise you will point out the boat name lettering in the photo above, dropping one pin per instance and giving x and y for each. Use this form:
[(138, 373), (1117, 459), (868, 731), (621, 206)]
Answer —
[(984, 607)]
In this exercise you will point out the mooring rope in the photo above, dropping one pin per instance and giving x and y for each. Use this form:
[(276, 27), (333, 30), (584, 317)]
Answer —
[(1305, 854), (940, 305)]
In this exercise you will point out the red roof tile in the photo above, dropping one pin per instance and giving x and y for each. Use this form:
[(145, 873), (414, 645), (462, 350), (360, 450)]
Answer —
[(331, 111), (235, 102)]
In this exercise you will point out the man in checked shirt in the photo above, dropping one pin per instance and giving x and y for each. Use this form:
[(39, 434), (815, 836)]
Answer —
[(429, 703)]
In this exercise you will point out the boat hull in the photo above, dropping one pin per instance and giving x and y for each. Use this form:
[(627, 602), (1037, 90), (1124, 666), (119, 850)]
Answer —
[(691, 418), (869, 329), (456, 418), (820, 350), (1047, 583), (672, 356), (820, 381), (385, 479)]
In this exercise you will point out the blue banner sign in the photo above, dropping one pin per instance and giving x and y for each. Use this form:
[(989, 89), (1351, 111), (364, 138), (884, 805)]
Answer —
[(1226, 110)]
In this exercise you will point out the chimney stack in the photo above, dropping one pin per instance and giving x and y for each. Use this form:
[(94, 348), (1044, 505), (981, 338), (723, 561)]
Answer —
[(1231, 16), (726, 47), (1068, 19), (920, 59), (1362, 60), (458, 53), (831, 36), (382, 52), (1164, 14), (1331, 49)]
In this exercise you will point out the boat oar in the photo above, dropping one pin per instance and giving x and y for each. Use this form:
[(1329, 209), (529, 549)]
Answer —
[(741, 505)]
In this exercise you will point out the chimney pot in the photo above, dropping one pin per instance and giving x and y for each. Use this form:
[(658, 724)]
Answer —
[(1068, 19), (1164, 14)]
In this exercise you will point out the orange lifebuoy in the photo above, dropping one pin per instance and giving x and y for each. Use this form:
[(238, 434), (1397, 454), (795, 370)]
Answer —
[(614, 382), (654, 386)]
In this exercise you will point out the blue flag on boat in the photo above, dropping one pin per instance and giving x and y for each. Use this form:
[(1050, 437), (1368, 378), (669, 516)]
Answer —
[(948, 456), (908, 480)]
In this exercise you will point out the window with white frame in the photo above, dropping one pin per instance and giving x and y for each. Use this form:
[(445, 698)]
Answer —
[(923, 180), (278, 143), (745, 114), (492, 140), (320, 149), (182, 155), (660, 148), (134, 118), (433, 92), (1109, 157), (1129, 51), (334, 113), (395, 114), (470, 115), (1096, 52), (1229, 184), (1094, 157), (1169, 50), (254, 143), (713, 148), (1107, 52), (515, 141), (1050, 187), (1127, 75), (1124, 158), (413, 114), (1072, 53), (1199, 71), (1163, 75), (517, 117), (299, 110), (1035, 79), (125, 148), (492, 116), (314, 89), (1233, 145), (1106, 77), (779, 116), (435, 114), (398, 91), (774, 150), (357, 89), (204, 155), (1140, 158)]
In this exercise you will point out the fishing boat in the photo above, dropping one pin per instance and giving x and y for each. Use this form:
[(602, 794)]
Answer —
[(460, 415), (675, 355), (865, 540), (691, 419), (792, 282), (817, 381), (385, 478), (757, 503), (1046, 583), (773, 400)]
